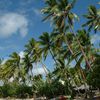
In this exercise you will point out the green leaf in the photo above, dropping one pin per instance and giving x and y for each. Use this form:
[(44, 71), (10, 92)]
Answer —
[(92, 10)]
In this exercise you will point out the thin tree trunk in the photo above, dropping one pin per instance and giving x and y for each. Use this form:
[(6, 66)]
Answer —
[(82, 74), (53, 56), (81, 48), (69, 47), (73, 55)]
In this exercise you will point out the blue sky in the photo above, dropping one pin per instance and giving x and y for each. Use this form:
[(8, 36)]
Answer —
[(20, 20)]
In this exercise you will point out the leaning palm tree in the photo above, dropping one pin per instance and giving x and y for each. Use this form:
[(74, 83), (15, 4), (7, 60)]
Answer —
[(63, 19), (34, 52), (93, 18), (58, 12), (61, 15), (15, 58), (12, 68)]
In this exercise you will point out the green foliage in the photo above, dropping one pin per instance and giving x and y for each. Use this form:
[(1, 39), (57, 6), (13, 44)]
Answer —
[(15, 90), (93, 19), (65, 46), (93, 78), (59, 11), (24, 91)]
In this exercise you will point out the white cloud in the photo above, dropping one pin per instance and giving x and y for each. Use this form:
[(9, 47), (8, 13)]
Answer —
[(13, 23), (95, 38), (99, 3), (39, 70), (21, 54)]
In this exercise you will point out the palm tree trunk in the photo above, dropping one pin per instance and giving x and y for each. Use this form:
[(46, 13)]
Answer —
[(53, 56), (81, 48), (81, 72), (85, 57), (69, 47), (32, 76)]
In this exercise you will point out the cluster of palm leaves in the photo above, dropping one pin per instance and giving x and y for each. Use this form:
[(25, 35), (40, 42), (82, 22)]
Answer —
[(64, 45)]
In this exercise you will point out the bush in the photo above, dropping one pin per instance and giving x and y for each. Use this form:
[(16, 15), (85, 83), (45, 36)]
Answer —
[(15, 90)]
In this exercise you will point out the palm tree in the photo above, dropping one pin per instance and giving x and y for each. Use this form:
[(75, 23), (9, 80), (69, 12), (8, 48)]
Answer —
[(84, 38), (12, 68), (93, 18), (63, 74), (46, 44), (59, 11), (32, 47), (15, 59), (34, 53), (59, 18), (66, 54), (93, 78), (27, 63)]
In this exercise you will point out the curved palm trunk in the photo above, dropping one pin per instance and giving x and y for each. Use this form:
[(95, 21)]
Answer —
[(31, 79), (69, 47), (81, 48), (53, 56), (85, 57), (32, 73), (81, 72), (19, 70)]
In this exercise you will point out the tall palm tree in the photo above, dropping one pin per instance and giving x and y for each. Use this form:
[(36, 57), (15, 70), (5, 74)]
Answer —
[(34, 52), (84, 38), (59, 11)]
